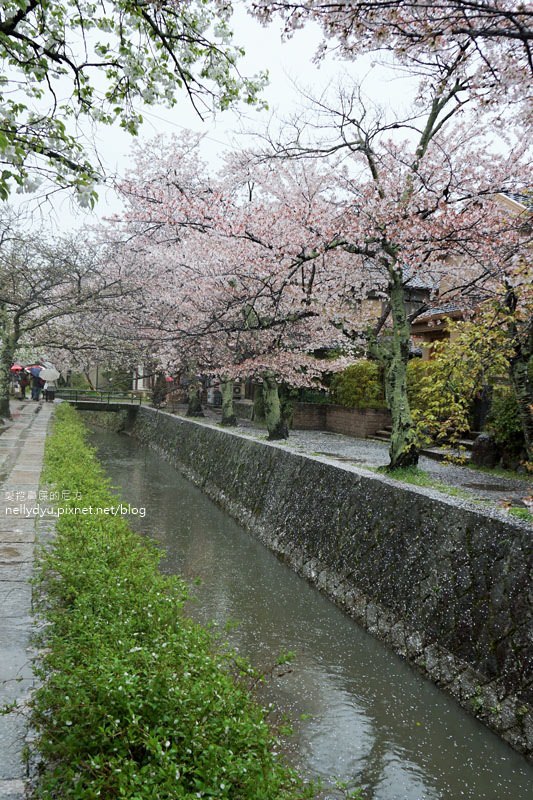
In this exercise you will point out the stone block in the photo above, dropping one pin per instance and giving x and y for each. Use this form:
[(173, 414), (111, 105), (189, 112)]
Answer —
[(485, 451)]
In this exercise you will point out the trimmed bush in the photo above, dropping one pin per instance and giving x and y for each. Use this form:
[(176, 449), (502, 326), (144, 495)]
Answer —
[(359, 386), (136, 701)]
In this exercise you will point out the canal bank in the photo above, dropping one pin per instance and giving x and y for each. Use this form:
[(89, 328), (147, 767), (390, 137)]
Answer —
[(442, 582), (358, 712), (21, 460)]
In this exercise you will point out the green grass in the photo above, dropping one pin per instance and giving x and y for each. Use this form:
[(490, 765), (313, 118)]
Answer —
[(521, 513), (501, 473), (419, 477), (135, 701)]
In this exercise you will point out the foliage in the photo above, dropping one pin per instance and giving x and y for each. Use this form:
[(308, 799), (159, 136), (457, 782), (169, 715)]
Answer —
[(48, 289), (504, 421), (110, 54), (118, 379), (270, 263), (445, 391), (313, 396), (418, 375), (359, 386), (134, 700), (78, 380)]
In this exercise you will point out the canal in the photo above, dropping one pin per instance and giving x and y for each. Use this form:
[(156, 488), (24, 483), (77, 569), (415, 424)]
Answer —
[(359, 713)]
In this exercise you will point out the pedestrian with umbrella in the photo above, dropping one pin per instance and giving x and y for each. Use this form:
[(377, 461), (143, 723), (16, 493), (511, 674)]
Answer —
[(24, 382), (50, 376), (36, 384)]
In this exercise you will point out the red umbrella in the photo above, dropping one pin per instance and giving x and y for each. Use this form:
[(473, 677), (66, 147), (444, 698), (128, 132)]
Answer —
[(16, 368)]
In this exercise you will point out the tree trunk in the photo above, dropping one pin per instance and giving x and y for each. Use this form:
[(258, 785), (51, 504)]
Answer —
[(520, 369), (229, 419), (194, 407), (276, 426), (403, 450), (258, 408), (7, 350), (523, 389), (92, 387)]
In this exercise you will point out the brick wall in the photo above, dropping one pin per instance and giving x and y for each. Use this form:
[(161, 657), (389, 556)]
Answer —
[(338, 419)]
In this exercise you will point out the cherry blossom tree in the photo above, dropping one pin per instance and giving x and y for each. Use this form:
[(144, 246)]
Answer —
[(414, 190), (43, 283), (245, 256), (284, 247), (493, 39)]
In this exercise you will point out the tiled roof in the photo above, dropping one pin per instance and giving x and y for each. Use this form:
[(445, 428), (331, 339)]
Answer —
[(525, 198), (441, 311), (420, 280)]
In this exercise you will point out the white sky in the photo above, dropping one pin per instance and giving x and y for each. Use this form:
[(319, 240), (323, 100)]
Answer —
[(288, 63)]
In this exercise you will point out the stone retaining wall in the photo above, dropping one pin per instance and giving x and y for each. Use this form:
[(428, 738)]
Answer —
[(443, 583)]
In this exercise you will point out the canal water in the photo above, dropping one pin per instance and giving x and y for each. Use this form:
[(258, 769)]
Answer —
[(360, 714)]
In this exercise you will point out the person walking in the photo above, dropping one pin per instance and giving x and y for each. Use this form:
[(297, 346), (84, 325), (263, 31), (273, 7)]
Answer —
[(36, 386), (49, 391), (23, 383)]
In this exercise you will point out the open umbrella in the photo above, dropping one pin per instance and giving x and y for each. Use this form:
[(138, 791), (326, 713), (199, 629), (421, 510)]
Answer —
[(34, 370), (49, 374), (16, 368)]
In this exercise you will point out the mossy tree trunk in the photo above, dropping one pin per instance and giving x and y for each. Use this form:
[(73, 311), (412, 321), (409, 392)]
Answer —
[(9, 339), (520, 370), (522, 385), (277, 427), (229, 419), (159, 393), (258, 409), (394, 356), (194, 404)]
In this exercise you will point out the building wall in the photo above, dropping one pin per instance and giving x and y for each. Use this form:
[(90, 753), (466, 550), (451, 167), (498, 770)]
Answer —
[(444, 583)]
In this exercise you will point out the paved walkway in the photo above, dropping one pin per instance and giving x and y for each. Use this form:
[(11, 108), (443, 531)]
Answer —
[(21, 458), (479, 486)]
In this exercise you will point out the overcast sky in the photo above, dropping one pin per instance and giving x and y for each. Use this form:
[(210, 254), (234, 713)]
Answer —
[(289, 63)]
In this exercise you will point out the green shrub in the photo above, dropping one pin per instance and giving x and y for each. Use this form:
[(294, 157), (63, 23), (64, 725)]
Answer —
[(135, 701), (418, 373), (359, 386), (504, 421), (314, 396), (78, 381)]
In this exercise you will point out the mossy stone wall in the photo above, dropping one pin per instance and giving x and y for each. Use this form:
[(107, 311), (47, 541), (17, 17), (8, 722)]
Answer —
[(448, 586)]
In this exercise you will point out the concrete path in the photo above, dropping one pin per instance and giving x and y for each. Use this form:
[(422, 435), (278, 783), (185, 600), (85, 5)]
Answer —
[(21, 459)]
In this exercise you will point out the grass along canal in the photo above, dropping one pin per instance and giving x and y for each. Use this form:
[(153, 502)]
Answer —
[(135, 701)]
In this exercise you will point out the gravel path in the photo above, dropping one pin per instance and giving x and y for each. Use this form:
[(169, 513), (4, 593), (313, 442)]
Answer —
[(474, 484)]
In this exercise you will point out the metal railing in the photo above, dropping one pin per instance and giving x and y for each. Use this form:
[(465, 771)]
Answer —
[(101, 396)]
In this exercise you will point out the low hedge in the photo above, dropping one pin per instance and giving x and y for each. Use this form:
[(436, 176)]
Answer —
[(135, 700), (359, 386)]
